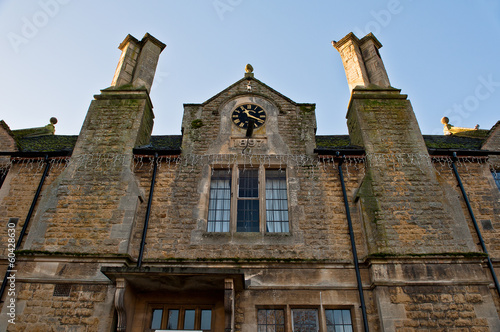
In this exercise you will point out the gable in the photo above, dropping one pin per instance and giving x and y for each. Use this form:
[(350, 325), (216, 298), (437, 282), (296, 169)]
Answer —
[(219, 125), (7, 141)]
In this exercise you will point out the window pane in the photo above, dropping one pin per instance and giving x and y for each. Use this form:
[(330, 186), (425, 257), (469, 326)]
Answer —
[(276, 201), (346, 316), (338, 320), (271, 317), (173, 319), (220, 201), (249, 183), (271, 320), (156, 321), (189, 316), (329, 318), (206, 319), (337, 317), (248, 216), (305, 320), (496, 176)]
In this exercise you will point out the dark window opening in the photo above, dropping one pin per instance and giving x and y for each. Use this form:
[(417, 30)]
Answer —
[(247, 219)]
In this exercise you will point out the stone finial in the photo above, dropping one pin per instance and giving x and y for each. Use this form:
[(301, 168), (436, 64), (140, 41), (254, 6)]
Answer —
[(248, 71), (248, 68), (51, 128), (447, 126), (138, 62), (362, 62)]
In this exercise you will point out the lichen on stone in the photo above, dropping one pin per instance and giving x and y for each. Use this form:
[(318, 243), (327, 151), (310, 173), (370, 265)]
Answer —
[(198, 123)]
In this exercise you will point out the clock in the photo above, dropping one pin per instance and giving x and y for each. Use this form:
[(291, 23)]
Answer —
[(245, 112)]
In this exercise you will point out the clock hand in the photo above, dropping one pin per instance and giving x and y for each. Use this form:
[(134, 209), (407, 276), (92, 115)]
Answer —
[(251, 116)]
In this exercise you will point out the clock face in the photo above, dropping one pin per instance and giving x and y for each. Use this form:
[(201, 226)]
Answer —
[(245, 112)]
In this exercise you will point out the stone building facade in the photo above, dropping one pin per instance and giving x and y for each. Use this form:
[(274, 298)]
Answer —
[(249, 221)]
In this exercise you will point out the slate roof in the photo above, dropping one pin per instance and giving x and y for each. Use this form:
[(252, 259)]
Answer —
[(165, 143), (452, 142), (332, 142), (48, 143)]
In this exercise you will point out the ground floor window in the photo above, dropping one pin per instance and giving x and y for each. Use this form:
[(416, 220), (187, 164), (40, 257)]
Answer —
[(271, 320), (304, 320), (181, 318), (338, 320)]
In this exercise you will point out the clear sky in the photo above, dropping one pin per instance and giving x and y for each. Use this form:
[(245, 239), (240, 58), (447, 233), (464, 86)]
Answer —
[(56, 54)]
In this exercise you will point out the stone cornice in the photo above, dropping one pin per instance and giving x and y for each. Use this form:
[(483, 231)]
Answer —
[(351, 36), (147, 37)]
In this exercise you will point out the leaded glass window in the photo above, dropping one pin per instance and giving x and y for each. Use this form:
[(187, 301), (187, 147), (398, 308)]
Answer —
[(157, 318), (271, 320), (338, 320), (305, 320), (248, 201), (181, 318), (276, 201), (219, 205)]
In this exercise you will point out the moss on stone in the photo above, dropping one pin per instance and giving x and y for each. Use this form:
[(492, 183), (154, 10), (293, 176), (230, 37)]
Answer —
[(333, 141), (198, 123), (51, 143), (452, 142), (307, 108)]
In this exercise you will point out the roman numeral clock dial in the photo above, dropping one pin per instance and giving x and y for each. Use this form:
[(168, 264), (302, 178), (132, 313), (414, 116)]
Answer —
[(243, 113)]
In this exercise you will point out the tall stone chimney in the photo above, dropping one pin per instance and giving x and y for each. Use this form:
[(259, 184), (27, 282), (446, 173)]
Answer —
[(406, 207), (99, 176), (362, 62), (138, 62)]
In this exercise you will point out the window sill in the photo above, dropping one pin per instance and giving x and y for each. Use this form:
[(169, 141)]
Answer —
[(246, 238)]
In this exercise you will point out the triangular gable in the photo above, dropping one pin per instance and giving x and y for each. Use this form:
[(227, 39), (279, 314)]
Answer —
[(7, 140), (492, 141), (249, 78)]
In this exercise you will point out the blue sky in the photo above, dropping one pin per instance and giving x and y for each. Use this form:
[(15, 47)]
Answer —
[(57, 54)]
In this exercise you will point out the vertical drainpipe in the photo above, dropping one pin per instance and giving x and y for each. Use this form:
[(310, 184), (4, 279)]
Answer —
[(148, 210), (474, 222), (353, 245), (10, 267)]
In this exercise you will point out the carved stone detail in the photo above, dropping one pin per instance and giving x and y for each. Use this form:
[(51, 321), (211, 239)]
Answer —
[(250, 142), (229, 305), (121, 284)]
